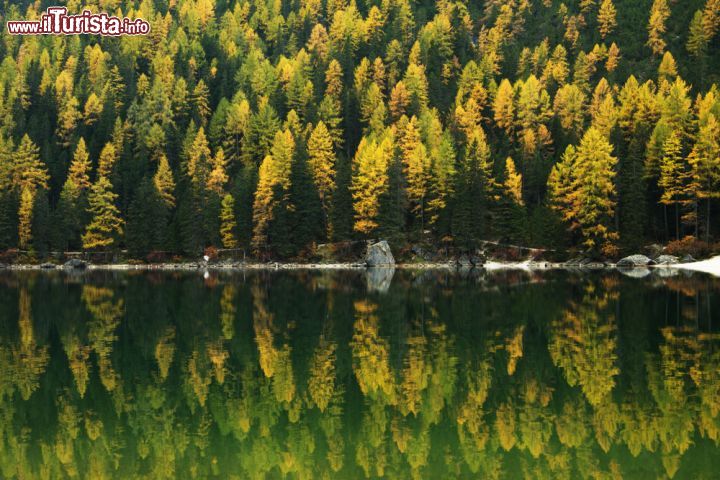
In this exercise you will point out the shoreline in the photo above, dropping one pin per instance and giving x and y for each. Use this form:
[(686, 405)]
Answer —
[(709, 266)]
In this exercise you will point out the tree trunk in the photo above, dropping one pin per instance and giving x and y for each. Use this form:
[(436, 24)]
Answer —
[(707, 232), (677, 221)]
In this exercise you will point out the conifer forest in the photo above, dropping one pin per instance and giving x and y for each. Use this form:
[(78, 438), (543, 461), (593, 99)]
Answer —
[(275, 126)]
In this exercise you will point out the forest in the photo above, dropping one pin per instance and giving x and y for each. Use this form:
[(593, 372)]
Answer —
[(274, 126)]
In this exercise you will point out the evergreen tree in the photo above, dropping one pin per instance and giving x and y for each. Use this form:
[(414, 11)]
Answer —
[(473, 190)]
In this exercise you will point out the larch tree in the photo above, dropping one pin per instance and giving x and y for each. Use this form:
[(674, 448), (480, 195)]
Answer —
[(705, 166), (504, 107), (106, 225), (73, 198), (272, 188), (370, 180), (673, 176), (416, 169), (582, 189), (228, 223), (79, 171), (607, 18), (30, 175), (164, 182), (322, 167), (108, 158), (218, 175), (513, 182), (659, 14), (199, 159)]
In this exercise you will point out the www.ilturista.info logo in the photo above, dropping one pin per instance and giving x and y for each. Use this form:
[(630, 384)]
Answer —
[(56, 21)]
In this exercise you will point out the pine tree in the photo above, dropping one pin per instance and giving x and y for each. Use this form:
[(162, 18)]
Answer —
[(322, 167), (606, 18), (473, 189), (228, 224), (106, 225)]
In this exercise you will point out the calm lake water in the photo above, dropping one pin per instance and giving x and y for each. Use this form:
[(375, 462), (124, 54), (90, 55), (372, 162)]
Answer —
[(324, 375)]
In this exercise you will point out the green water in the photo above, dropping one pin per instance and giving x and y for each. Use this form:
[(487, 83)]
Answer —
[(346, 375)]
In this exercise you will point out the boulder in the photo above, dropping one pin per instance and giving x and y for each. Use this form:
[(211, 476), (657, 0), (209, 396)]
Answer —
[(667, 260), (379, 255), (653, 250), (464, 262), (75, 264), (479, 259), (687, 259), (47, 266), (635, 261)]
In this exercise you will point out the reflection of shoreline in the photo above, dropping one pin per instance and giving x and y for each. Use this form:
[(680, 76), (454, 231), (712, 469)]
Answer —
[(711, 267)]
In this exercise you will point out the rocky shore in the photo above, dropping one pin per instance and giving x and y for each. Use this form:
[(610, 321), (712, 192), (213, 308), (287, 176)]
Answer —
[(379, 255)]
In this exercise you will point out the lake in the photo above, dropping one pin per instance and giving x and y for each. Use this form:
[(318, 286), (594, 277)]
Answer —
[(323, 375)]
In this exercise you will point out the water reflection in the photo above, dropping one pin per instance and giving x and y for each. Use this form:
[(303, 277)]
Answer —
[(338, 375)]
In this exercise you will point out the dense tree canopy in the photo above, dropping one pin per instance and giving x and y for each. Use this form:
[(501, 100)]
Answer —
[(342, 120)]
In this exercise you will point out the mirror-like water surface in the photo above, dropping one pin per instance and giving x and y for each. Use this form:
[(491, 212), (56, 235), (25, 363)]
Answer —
[(353, 375)]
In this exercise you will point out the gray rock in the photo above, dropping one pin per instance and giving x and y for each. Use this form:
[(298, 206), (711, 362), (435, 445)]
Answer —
[(653, 250), (478, 259), (464, 262), (667, 260), (48, 266), (379, 255), (76, 264), (594, 266), (687, 259), (635, 261)]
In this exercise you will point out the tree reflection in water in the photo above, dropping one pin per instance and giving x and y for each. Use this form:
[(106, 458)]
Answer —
[(327, 375)]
